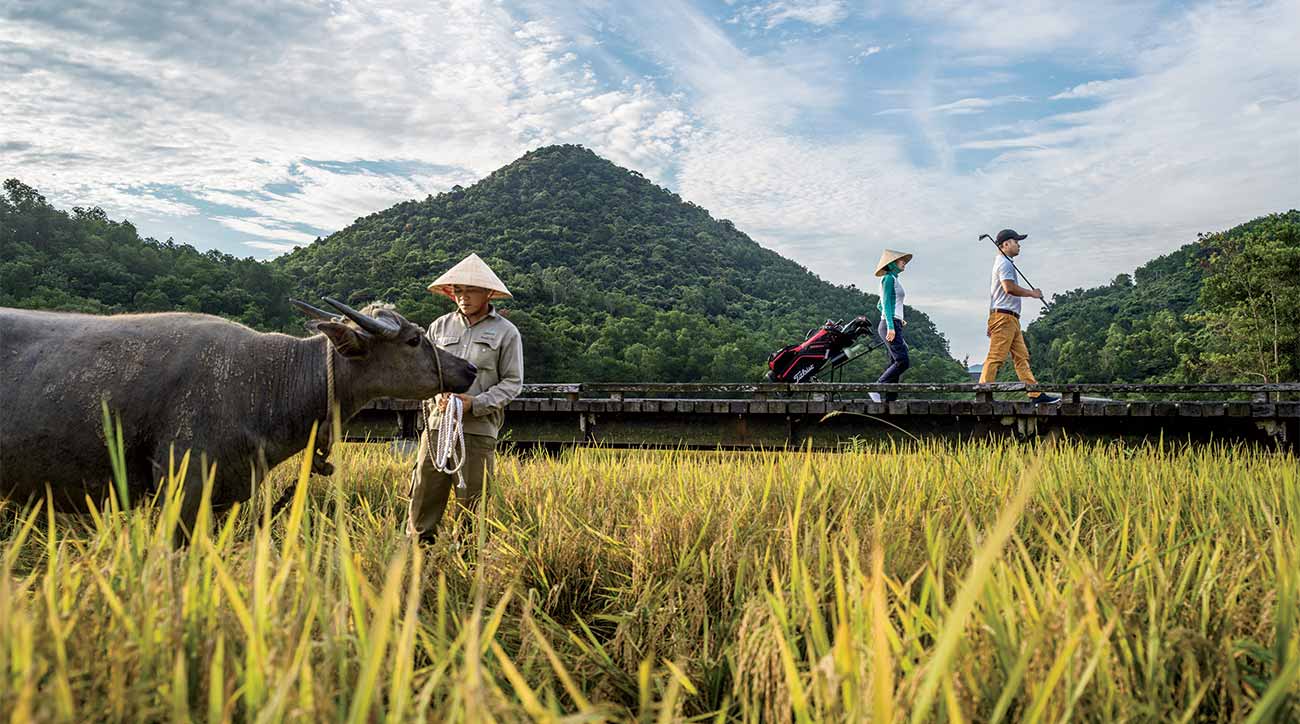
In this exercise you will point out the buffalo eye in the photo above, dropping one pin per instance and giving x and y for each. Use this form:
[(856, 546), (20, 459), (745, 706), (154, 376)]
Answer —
[(413, 342)]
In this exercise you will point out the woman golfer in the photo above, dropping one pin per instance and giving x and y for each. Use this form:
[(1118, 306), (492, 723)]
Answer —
[(892, 263)]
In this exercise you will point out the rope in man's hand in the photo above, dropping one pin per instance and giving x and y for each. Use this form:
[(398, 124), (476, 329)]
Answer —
[(449, 450)]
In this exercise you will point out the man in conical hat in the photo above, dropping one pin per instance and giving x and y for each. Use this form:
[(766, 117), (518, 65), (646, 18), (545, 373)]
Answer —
[(476, 332)]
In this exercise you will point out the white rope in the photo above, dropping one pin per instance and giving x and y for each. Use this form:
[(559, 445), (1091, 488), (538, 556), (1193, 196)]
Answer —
[(449, 452), (329, 381)]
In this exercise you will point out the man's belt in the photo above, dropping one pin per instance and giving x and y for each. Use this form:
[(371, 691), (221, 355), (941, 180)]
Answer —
[(1006, 311)]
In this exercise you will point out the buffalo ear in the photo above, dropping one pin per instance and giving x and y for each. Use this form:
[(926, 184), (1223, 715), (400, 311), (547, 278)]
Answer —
[(348, 340)]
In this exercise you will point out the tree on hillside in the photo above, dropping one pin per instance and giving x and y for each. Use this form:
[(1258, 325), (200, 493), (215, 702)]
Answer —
[(1250, 301), (84, 261)]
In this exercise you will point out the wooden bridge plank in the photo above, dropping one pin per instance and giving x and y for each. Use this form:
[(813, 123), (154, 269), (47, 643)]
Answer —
[(645, 388), (1263, 409), (1164, 409)]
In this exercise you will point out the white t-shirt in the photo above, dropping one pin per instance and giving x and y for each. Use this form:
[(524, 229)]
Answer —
[(998, 297)]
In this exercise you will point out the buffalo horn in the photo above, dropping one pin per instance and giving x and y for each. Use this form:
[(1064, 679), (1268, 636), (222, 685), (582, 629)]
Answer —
[(310, 311), (378, 327)]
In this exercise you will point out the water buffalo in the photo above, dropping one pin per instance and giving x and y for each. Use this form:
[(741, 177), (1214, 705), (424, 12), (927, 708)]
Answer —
[(245, 400)]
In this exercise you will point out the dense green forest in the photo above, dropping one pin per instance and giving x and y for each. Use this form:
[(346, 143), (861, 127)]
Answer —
[(1223, 308), (82, 261), (615, 278)]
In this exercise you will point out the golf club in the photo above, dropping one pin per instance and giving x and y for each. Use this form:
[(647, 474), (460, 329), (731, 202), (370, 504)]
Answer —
[(1046, 306)]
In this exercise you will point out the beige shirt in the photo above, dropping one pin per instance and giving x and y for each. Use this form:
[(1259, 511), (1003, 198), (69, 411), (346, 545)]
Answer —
[(494, 346)]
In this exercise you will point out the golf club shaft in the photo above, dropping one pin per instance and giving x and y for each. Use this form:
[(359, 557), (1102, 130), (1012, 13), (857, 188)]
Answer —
[(1013, 266)]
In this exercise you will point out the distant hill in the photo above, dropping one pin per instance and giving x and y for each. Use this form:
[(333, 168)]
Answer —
[(614, 278), (82, 261), (1162, 324)]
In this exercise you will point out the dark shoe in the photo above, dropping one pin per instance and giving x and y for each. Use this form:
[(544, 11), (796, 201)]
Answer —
[(1045, 399)]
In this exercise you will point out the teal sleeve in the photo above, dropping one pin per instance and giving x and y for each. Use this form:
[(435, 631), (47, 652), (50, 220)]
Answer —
[(887, 299)]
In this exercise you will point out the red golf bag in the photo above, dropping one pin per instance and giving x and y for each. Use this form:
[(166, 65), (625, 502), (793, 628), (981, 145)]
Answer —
[(826, 348)]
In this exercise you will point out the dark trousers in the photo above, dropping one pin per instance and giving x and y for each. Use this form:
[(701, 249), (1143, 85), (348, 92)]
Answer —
[(898, 359), (431, 488)]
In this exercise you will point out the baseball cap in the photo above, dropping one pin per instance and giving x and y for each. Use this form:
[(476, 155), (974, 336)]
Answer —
[(1010, 234)]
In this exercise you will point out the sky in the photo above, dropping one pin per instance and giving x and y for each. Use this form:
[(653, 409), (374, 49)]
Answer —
[(1109, 131)]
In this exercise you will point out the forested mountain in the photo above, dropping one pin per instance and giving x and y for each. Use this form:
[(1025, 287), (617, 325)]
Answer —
[(1223, 308), (615, 278)]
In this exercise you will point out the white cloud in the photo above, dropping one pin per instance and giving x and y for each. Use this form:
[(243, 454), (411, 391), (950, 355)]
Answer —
[(867, 53), (252, 227), (1092, 89), (960, 107), (272, 246), (997, 31), (115, 96), (817, 13)]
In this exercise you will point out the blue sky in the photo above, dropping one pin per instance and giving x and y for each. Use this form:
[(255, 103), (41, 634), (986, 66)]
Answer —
[(1108, 131)]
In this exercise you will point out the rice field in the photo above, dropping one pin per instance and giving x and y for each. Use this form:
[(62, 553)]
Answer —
[(927, 582)]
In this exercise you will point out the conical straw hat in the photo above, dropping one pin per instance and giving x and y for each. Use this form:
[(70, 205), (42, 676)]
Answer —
[(470, 272), (888, 256)]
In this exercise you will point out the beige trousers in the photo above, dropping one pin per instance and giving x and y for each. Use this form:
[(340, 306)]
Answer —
[(1005, 336), (430, 488)]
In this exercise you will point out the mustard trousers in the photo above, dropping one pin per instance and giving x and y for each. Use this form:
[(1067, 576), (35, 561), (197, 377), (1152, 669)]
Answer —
[(1005, 337)]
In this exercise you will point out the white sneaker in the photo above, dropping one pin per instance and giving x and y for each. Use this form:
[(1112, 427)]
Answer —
[(875, 396)]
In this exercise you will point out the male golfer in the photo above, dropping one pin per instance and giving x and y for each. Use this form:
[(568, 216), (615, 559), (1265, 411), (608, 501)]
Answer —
[(1004, 317), (492, 344)]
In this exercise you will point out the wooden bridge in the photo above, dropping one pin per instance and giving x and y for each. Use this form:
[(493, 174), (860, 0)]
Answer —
[(830, 416)]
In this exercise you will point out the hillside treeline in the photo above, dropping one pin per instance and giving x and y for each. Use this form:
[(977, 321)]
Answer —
[(1224, 308)]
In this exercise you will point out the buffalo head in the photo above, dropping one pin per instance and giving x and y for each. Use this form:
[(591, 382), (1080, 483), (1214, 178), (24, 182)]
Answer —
[(391, 353)]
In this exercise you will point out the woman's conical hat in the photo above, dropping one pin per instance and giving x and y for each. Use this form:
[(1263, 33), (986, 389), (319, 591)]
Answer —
[(887, 257), (470, 272)]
